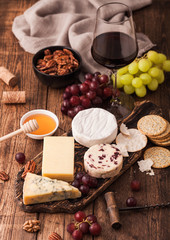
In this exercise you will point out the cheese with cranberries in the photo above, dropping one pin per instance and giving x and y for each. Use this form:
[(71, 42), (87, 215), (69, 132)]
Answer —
[(38, 189), (103, 161), (94, 126)]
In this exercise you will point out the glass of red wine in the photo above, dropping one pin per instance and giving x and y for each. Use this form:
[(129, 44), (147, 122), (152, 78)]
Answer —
[(115, 46)]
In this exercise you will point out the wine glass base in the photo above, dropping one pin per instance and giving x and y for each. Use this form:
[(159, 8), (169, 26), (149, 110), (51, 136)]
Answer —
[(122, 106)]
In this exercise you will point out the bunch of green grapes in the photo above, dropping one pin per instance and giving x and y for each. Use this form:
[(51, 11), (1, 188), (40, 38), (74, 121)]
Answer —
[(143, 73)]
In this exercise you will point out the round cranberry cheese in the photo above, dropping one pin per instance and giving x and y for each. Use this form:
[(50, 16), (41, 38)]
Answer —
[(103, 161)]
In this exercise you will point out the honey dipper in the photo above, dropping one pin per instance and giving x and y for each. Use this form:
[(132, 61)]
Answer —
[(27, 127)]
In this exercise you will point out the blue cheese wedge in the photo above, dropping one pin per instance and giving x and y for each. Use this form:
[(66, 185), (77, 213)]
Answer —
[(38, 189)]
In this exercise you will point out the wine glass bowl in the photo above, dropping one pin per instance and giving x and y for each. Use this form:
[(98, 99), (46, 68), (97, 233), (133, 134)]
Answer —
[(114, 41)]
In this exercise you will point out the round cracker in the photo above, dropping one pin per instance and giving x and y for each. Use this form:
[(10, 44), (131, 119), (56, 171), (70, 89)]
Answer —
[(134, 142), (159, 155), (165, 134), (152, 125)]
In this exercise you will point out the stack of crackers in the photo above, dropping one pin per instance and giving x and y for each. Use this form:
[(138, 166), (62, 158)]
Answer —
[(156, 128)]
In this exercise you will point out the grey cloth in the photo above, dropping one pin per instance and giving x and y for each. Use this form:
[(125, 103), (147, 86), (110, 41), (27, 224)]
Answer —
[(68, 23)]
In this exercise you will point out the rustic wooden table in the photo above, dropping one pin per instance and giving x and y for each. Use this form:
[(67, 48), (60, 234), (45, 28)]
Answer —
[(149, 225)]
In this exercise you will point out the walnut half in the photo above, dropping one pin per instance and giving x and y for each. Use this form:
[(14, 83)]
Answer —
[(32, 226)]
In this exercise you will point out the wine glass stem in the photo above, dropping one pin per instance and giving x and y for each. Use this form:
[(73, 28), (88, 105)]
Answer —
[(115, 98)]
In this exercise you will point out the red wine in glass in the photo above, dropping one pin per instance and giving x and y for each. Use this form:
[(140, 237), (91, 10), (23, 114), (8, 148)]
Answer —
[(114, 49), (115, 46)]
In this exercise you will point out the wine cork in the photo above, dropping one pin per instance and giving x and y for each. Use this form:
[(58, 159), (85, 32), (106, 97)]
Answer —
[(112, 210), (9, 97), (7, 77)]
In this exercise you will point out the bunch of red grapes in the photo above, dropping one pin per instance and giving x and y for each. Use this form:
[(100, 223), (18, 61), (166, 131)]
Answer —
[(91, 93), (84, 182), (84, 225)]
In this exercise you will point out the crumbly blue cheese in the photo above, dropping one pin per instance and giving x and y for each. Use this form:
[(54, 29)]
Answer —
[(38, 189)]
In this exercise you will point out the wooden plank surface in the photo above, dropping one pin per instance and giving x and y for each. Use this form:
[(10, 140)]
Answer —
[(149, 225)]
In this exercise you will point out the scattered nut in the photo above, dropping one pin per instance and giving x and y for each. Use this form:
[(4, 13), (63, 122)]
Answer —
[(32, 226), (4, 176), (29, 167), (54, 236)]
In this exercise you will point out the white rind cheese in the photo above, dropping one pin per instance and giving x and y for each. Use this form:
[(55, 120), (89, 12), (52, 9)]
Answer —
[(103, 161), (94, 126), (38, 189)]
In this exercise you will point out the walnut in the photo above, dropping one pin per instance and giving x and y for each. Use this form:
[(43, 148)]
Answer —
[(54, 236), (4, 176), (32, 226)]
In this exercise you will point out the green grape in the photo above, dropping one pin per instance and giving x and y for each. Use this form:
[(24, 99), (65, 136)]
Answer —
[(146, 78), (137, 82), (119, 83), (126, 79), (128, 89), (153, 85), (153, 56), (133, 68), (122, 70), (166, 66), (150, 63), (144, 65), (141, 92), (161, 77), (154, 72), (162, 57)]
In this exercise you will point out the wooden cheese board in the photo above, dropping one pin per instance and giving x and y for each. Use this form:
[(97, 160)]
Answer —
[(71, 206)]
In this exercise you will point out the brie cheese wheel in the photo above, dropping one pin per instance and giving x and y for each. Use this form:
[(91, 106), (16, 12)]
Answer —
[(103, 161), (94, 126)]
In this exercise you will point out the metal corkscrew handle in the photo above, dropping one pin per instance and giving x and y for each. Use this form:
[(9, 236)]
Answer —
[(162, 205)]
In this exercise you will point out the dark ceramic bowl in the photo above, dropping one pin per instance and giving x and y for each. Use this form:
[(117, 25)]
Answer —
[(56, 81)]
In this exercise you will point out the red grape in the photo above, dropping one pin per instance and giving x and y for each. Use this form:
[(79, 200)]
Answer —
[(95, 229), (93, 85), (66, 95), (77, 235), (131, 202), (86, 179), (104, 79), (71, 113), (116, 92), (74, 100), (97, 101), (88, 76), (78, 108), (74, 89), (68, 90), (79, 176), (63, 109), (97, 73), (91, 218), (71, 227), (87, 82), (107, 92), (79, 216), (84, 189), (84, 87), (99, 92), (135, 185), (93, 182), (84, 227), (20, 157), (66, 104), (85, 102), (76, 183), (91, 94)]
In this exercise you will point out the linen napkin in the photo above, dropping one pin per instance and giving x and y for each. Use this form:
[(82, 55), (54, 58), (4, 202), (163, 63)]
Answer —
[(69, 23)]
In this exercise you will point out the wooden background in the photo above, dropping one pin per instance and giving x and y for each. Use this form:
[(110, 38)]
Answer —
[(148, 225)]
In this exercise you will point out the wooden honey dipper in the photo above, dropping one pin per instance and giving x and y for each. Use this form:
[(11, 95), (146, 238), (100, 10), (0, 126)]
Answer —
[(27, 127)]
